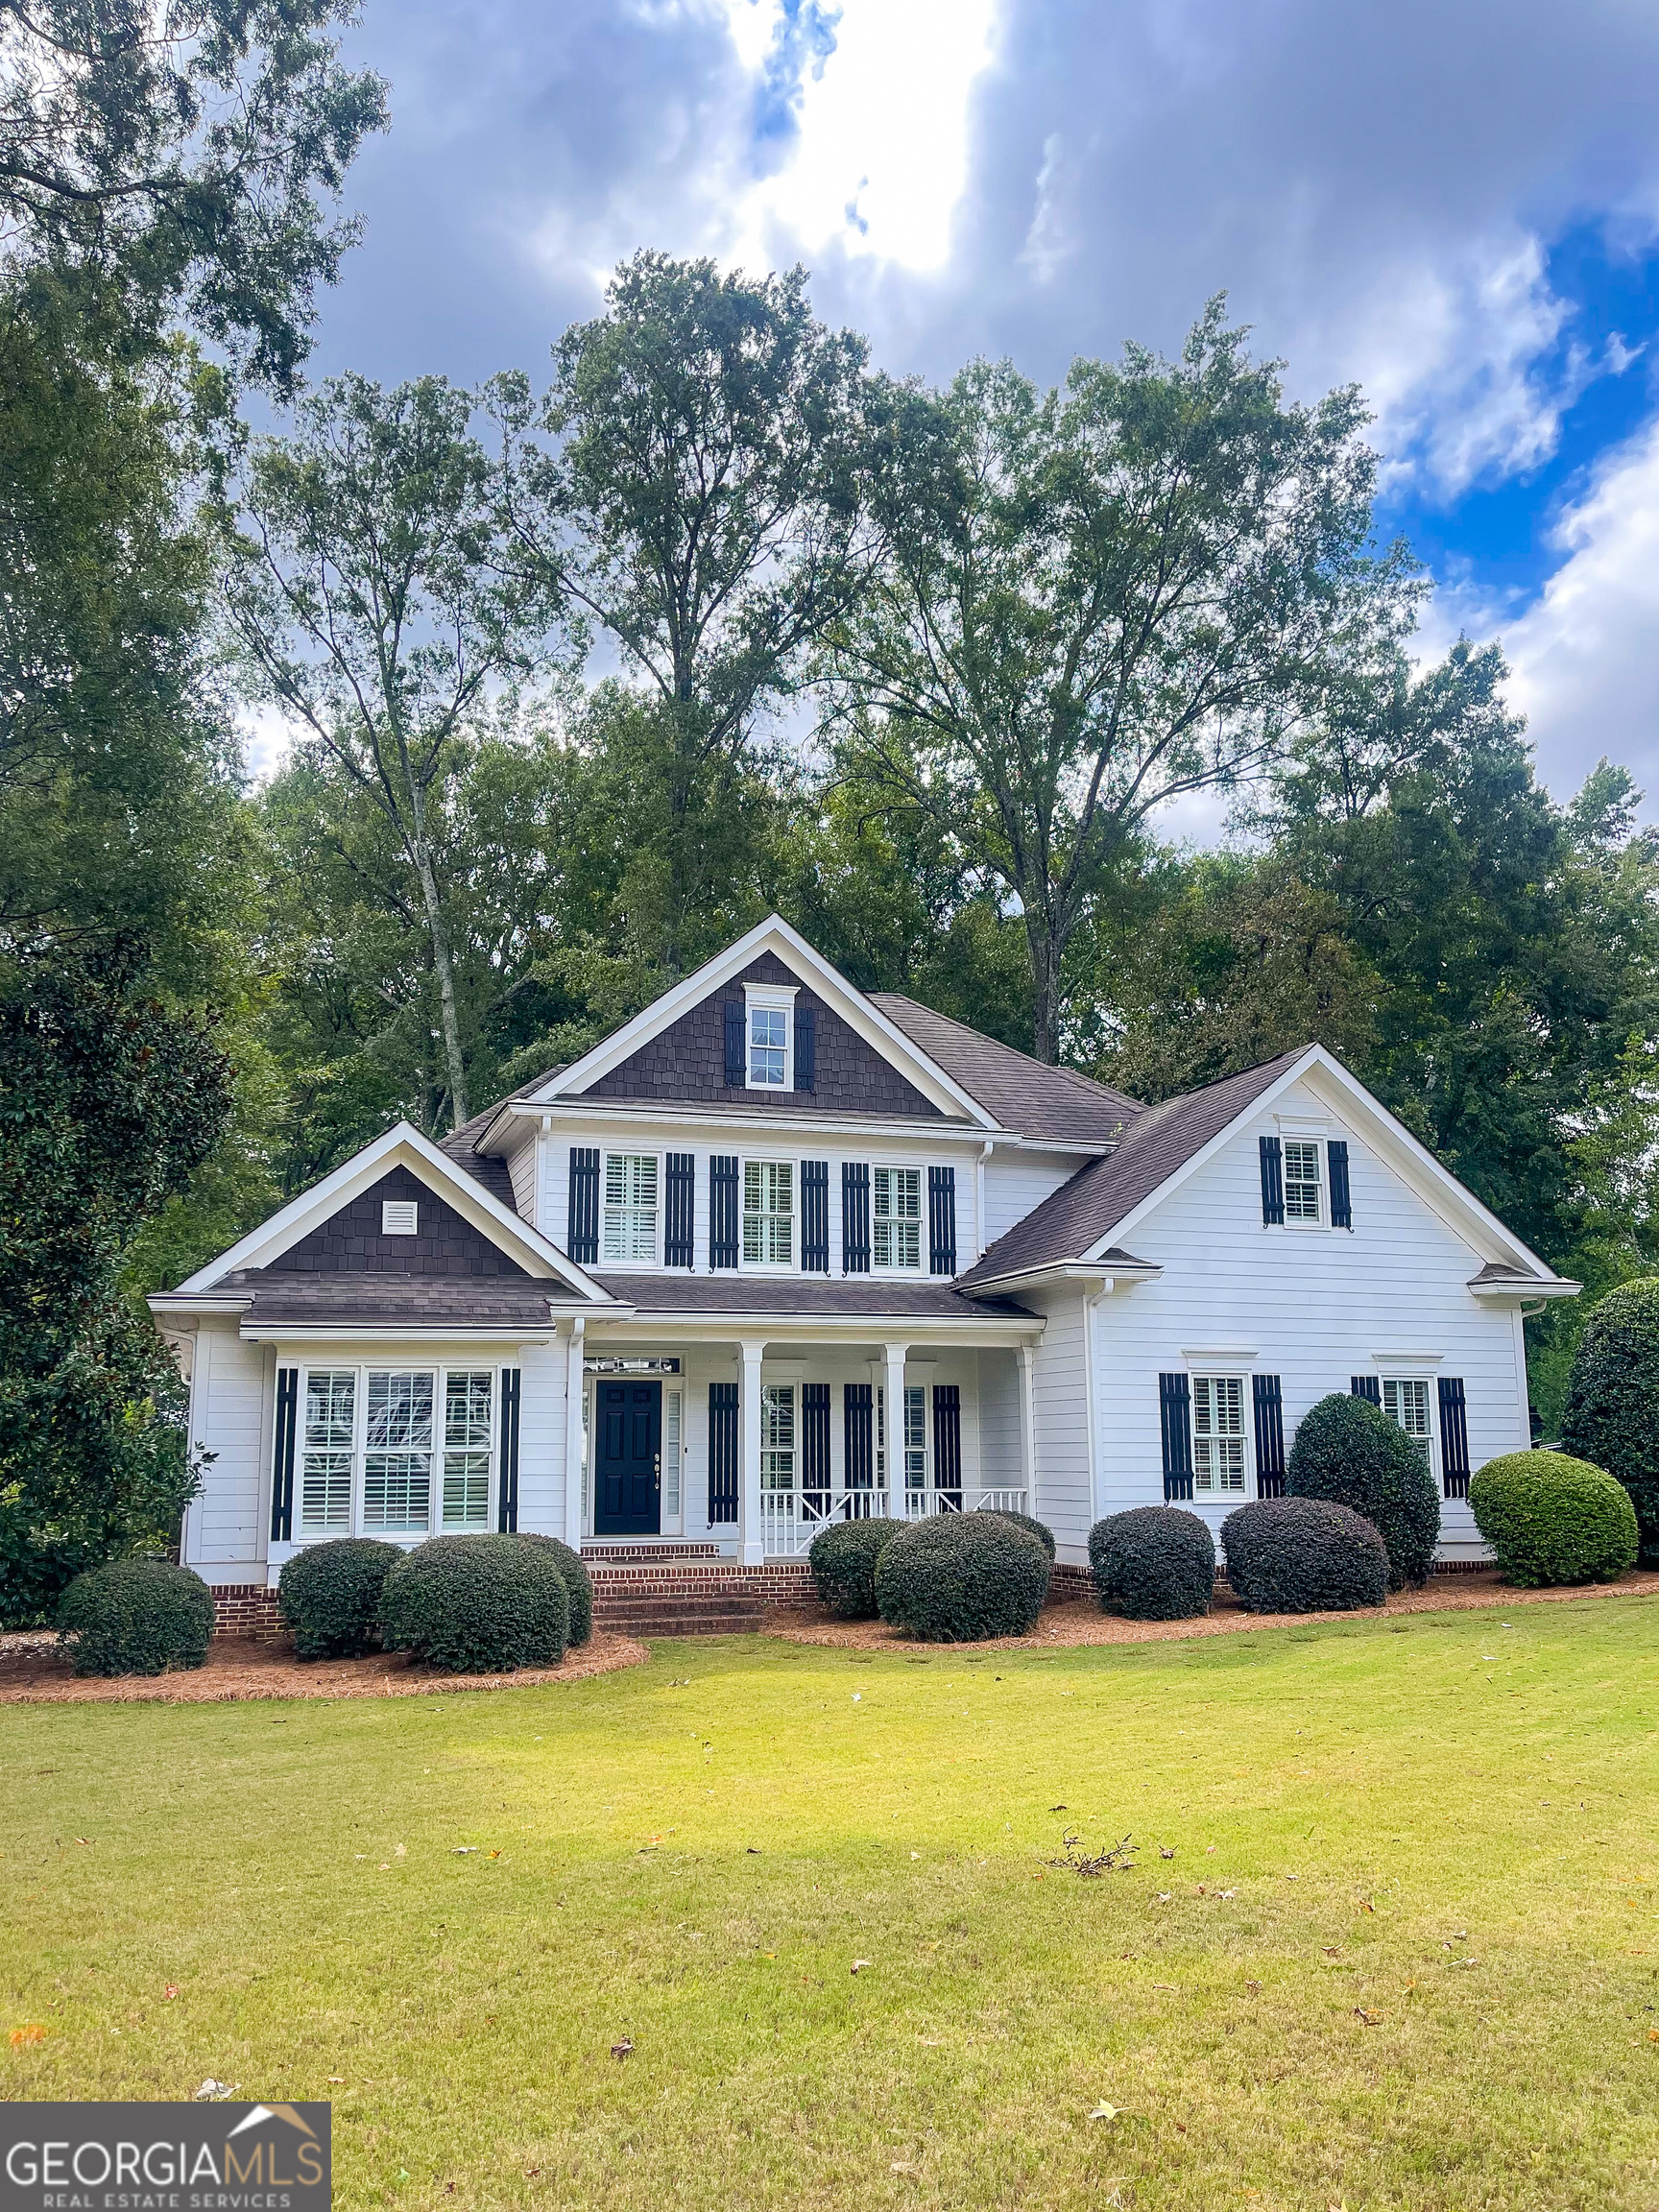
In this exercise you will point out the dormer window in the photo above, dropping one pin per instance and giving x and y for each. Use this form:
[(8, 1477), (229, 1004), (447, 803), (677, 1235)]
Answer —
[(770, 1018)]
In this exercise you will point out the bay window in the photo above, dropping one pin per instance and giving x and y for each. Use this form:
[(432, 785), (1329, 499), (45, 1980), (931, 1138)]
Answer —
[(396, 1451)]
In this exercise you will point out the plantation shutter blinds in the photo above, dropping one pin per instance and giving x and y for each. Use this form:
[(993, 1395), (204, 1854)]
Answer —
[(1272, 1183), (1341, 1204), (735, 1055), (1366, 1386), (678, 1248), (722, 1453), (815, 1443), (723, 1210), (858, 1434), (1269, 1435), (581, 1237), (805, 1049), (1175, 1418), (815, 1217), (947, 1442), (507, 1508), (1453, 1437), (854, 1217), (941, 1220), (283, 1454)]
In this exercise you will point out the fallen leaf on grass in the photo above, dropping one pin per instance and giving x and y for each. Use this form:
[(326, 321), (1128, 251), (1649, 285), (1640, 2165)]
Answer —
[(83, 1839), (1164, 1852), (213, 2092), (385, 1865), (30, 2032), (170, 1989), (1371, 2019), (858, 1966), (622, 2049), (1105, 2111), (341, 2078), (901, 2165), (456, 1851), (1254, 1988)]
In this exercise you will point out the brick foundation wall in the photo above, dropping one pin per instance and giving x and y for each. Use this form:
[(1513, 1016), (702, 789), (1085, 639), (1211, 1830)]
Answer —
[(246, 1609)]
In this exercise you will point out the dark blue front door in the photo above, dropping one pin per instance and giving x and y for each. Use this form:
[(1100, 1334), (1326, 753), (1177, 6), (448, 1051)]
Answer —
[(628, 1459)]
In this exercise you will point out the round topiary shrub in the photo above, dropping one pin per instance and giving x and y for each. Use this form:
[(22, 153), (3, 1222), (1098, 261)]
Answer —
[(329, 1596), (957, 1577), (135, 1617), (1551, 1518), (1153, 1563), (477, 1606), (1044, 1535), (1303, 1555), (843, 1561), (1349, 1452), (578, 1583), (1612, 1416)]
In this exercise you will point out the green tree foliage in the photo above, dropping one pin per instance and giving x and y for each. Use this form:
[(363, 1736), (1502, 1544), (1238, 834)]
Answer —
[(1553, 1519), (107, 1103), (1348, 1451), (1612, 1412), (1092, 600)]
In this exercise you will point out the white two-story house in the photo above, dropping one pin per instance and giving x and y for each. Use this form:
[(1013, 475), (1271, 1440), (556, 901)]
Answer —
[(778, 1251)]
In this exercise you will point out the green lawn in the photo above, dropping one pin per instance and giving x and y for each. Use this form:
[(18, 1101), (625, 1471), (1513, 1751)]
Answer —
[(1406, 1952)]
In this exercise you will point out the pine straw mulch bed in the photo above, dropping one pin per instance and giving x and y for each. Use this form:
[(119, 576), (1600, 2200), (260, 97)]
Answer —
[(35, 1672), (1080, 1620)]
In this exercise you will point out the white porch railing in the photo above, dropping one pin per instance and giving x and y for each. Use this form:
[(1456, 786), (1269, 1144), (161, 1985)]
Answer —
[(790, 1519)]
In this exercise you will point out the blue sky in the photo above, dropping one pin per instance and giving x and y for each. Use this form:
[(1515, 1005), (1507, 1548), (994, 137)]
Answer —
[(1453, 202)]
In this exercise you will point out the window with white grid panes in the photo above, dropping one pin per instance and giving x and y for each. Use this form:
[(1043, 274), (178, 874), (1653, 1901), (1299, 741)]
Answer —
[(398, 1449), (896, 1216), (768, 1212), (467, 1396), (768, 1047), (777, 1437), (398, 1452), (1219, 1442), (1405, 1399), (327, 1452), (629, 1229), (1302, 1183), (672, 1451), (915, 1438)]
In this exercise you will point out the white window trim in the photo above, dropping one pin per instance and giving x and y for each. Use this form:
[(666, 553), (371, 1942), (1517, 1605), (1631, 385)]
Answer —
[(1321, 1172), (607, 1154), (440, 1370), (772, 998), (1211, 1373), (400, 1216), (791, 1265), (890, 1273), (1431, 1443)]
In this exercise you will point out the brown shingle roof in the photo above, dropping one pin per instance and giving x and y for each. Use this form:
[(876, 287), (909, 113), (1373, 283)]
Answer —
[(493, 1173), (720, 1294), (341, 1297), (1157, 1142), (1027, 1096)]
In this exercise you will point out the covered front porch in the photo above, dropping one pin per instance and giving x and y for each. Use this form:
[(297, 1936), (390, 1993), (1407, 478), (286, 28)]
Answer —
[(744, 1446)]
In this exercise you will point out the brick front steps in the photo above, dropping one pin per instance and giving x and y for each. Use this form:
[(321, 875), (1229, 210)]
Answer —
[(696, 1596)]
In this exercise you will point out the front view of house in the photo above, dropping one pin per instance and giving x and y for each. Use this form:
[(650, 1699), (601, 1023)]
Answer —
[(778, 1251)]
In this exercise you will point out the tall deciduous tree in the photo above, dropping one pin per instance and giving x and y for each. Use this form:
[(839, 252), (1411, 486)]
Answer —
[(374, 606), (699, 497), (1094, 599)]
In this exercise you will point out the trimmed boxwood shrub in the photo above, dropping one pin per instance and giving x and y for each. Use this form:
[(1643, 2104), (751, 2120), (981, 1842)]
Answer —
[(477, 1606), (1044, 1535), (135, 1617), (1348, 1451), (1303, 1555), (843, 1561), (1551, 1518), (329, 1596), (1612, 1416), (1153, 1563), (957, 1577), (578, 1583)]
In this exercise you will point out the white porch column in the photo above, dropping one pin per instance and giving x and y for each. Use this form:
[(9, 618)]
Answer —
[(1029, 1425), (894, 1354), (573, 1388), (749, 1491)]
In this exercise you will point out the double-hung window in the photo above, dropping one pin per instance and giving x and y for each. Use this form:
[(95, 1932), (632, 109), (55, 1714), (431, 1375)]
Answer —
[(395, 1451), (1302, 1201), (1405, 1399), (777, 1437), (768, 1015), (896, 1216), (1218, 1435), (915, 1440), (768, 1212), (630, 1224)]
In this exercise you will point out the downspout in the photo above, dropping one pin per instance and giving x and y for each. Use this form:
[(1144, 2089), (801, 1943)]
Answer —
[(985, 1151), (1092, 1397)]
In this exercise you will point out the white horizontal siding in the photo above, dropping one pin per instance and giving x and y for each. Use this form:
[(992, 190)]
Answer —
[(521, 1166), (225, 1535), (1060, 1398), (543, 1369), (1015, 1182), (1313, 1306)]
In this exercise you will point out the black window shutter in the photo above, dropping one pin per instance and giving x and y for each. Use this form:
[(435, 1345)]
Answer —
[(1453, 1437), (815, 1441), (1273, 1184), (859, 1433), (678, 1246), (722, 1453), (1269, 1435), (723, 1210), (815, 1217), (941, 1220), (1341, 1204), (507, 1505), (734, 1054), (1366, 1386), (947, 1442), (854, 1217), (283, 1454), (582, 1241), (1175, 1415), (805, 1049)]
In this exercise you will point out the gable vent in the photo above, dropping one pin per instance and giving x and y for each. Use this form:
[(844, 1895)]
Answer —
[(399, 1217)]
